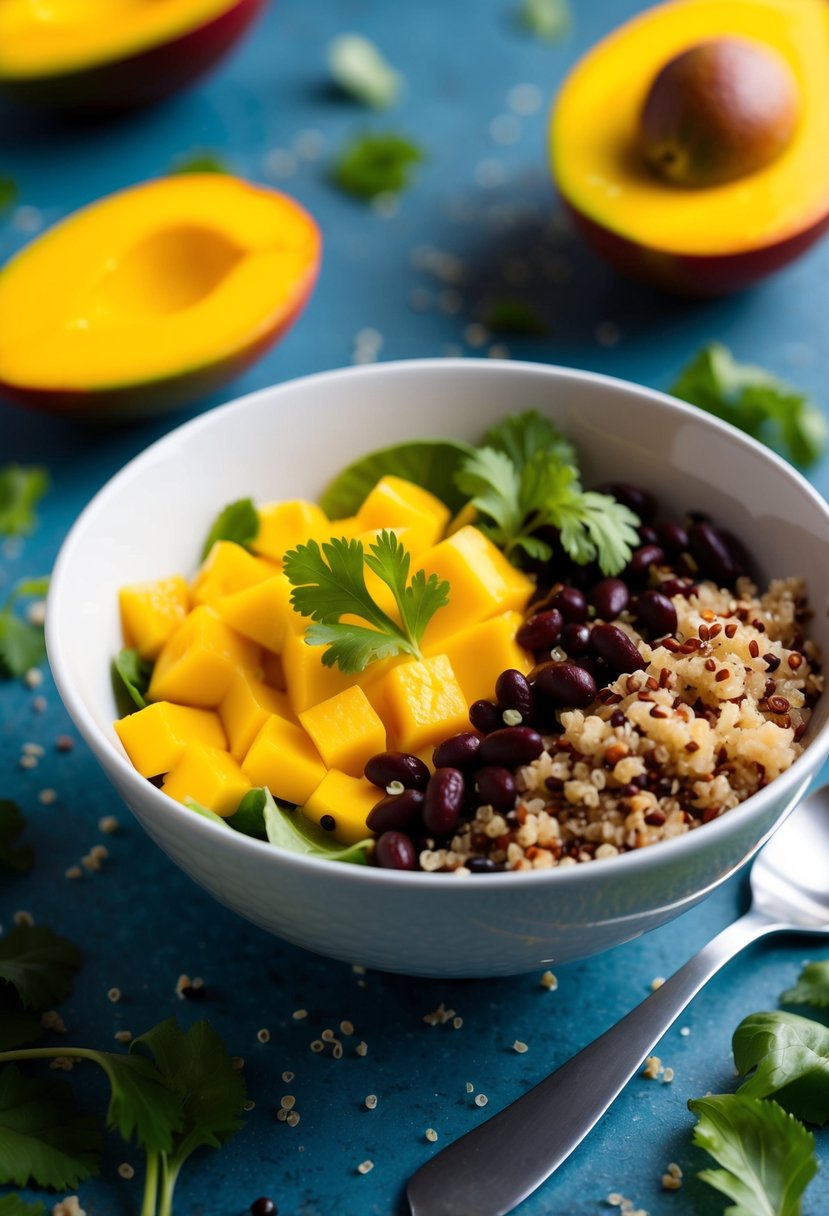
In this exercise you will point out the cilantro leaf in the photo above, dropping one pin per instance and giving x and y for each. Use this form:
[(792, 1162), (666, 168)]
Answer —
[(417, 600), (522, 436), (492, 481), (141, 1103), (42, 1138), (548, 20), (21, 489), (352, 647), (608, 530), (359, 69), (39, 965), (376, 164), (8, 193), (13, 855), (13, 1205), (199, 162), (812, 987), (755, 401), (790, 1056), (292, 831), (131, 679), (239, 522), (767, 1156)]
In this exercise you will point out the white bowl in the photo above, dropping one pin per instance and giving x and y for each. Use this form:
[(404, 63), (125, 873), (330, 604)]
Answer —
[(150, 519)]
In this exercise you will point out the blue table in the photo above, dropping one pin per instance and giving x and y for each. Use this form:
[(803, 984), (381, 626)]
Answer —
[(483, 196)]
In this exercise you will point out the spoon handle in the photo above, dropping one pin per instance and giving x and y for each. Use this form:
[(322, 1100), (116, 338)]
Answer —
[(490, 1170)]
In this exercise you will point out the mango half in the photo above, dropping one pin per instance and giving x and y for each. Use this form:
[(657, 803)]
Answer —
[(703, 241), (99, 56), (153, 296)]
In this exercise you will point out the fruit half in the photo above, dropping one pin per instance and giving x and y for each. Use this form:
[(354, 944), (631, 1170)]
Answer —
[(94, 56), (154, 296), (696, 240)]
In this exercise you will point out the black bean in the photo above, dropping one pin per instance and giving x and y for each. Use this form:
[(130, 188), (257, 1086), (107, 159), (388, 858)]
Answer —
[(394, 851), (676, 586), (617, 718), (575, 639), (541, 632), (566, 685), (395, 812), (444, 801), (485, 717), (711, 552), (643, 558), (458, 751), (647, 536), (511, 746), (263, 1207), (571, 603), (496, 787), (641, 501), (672, 536), (386, 767), (513, 692), (610, 598), (656, 613), (481, 865), (616, 648), (741, 557)]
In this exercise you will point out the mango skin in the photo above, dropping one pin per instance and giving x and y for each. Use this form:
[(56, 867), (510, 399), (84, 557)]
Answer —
[(137, 79)]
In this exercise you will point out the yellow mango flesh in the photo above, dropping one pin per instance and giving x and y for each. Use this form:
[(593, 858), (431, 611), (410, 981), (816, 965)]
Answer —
[(155, 738), (283, 758), (421, 703), (347, 800), (228, 569), (346, 730), (261, 612), (150, 612), (479, 654), (246, 707), (395, 503), (284, 525), (209, 776), (197, 664)]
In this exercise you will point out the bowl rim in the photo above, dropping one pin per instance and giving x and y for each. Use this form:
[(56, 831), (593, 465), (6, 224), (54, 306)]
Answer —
[(630, 864)]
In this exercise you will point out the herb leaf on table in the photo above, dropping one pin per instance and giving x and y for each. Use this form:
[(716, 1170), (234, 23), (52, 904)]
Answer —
[(376, 163), (790, 1058), (13, 1205), (238, 521), (21, 641), (43, 1139), (14, 855), (21, 489), (38, 964), (812, 987)]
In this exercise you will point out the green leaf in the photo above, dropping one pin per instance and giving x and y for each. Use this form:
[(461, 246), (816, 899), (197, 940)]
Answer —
[(131, 679), (352, 647), (417, 601), (360, 70), (790, 1056), (376, 163), (43, 1140), (39, 965), (13, 1205), (17, 1028), (608, 531), (429, 463), (329, 582), (492, 482), (767, 1156), (239, 522), (292, 831), (21, 489), (141, 1102), (249, 819), (13, 855), (8, 193), (549, 20), (21, 642), (204, 811), (812, 987), (515, 317), (755, 401), (199, 162), (523, 436)]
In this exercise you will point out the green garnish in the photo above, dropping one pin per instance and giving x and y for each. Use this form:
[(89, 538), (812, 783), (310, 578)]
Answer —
[(790, 1059), (13, 1205), (329, 583), (754, 400), (238, 522), (812, 987), (525, 478), (429, 463), (766, 1155), (261, 816), (376, 163), (21, 641), (516, 317), (199, 162), (360, 70), (42, 1137), (549, 20), (21, 489), (13, 854), (131, 678), (8, 193), (38, 964)]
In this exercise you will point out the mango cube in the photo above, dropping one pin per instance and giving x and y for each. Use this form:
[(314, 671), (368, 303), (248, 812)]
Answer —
[(421, 703), (346, 730), (209, 776), (198, 661), (244, 709), (151, 611), (283, 758), (395, 502), (226, 569), (480, 653), (154, 738), (482, 583), (284, 525), (273, 672), (260, 612), (345, 799)]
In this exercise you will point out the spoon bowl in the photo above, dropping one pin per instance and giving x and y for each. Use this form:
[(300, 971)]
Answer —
[(789, 877)]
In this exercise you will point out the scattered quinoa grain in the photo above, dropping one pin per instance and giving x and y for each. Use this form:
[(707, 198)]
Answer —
[(657, 982), (114, 995), (317, 1045), (27, 761), (481, 1099), (431, 1135), (684, 1031), (299, 1014), (361, 1049), (237, 1062), (47, 797), (287, 1077), (346, 1027), (668, 1076), (263, 1035), (64, 743), (365, 1167), (73, 872), (70, 1206), (126, 1170), (653, 1067), (108, 824), (370, 1101), (123, 1036), (248, 1104), (293, 1118), (33, 678), (470, 1088), (549, 981), (287, 1101), (39, 705), (457, 1023), (520, 1047), (51, 1020), (62, 1064)]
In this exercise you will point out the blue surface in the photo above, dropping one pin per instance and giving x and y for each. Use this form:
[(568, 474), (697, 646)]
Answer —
[(140, 921)]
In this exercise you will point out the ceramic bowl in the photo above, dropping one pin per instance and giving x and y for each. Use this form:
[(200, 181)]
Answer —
[(287, 441)]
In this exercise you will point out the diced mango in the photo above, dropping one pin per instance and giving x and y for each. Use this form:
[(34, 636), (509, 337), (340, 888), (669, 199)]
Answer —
[(345, 799), (283, 758), (151, 611), (482, 583), (155, 738), (284, 525), (345, 730), (467, 515), (349, 527), (246, 707), (273, 673), (209, 776), (308, 681), (228, 568), (260, 612), (421, 703), (479, 654), (395, 502), (198, 661)]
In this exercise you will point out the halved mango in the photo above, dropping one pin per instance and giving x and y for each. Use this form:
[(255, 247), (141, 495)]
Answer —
[(166, 290)]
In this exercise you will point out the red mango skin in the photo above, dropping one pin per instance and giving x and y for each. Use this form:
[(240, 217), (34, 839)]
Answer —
[(139, 79), (695, 275)]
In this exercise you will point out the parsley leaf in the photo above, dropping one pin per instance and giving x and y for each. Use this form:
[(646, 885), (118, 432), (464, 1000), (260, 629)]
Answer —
[(199, 162), (39, 965), (21, 489), (522, 436), (767, 1156), (376, 164), (290, 830), (755, 401), (790, 1056), (13, 1205), (329, 583), (42, 1138), (239, 522), (360, 70), (13, 855), (131, 679), (812, 987), (549, 20)]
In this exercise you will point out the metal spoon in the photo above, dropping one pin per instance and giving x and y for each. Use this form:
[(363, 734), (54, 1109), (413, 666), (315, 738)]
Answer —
[(490, 1170)]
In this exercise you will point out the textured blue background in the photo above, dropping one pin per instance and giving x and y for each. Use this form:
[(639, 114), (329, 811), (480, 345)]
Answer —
[(141, 923)]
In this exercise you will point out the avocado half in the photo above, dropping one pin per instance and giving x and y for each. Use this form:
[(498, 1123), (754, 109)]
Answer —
[(703, 241)]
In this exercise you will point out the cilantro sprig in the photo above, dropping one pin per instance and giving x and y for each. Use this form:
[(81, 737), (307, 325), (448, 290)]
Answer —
[(330, 583), (21, 641)]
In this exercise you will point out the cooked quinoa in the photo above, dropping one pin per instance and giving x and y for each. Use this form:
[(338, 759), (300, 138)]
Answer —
[(717, 714)]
